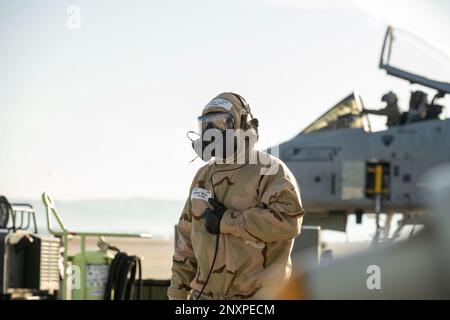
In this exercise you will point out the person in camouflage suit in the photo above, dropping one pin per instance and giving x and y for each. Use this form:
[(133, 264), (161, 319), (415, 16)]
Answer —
[(255, 213)]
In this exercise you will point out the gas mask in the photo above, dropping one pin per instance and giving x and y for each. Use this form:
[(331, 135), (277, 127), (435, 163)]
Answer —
[(217, 137), (226, 129)]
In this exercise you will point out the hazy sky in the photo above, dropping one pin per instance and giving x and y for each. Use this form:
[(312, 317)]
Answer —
[(102, 111)]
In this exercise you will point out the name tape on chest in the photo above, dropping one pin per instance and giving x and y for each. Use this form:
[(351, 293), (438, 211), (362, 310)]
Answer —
[(202, 194)]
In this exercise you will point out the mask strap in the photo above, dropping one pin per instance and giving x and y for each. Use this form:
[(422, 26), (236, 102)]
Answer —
[(253, 121)]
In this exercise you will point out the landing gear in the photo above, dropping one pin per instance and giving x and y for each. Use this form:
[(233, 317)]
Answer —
[(378, 189)]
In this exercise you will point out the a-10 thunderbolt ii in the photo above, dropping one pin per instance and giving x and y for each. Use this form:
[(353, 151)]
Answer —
[(346, 168)]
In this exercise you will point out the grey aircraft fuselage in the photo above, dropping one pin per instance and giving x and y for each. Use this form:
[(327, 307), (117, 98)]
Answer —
[(334, 159), (330, 166)]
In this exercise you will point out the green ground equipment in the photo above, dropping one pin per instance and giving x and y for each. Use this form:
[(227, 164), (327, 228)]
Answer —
[(87, 272)]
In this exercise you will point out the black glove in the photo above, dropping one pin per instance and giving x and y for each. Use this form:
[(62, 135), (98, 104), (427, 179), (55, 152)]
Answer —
[(213, 216)]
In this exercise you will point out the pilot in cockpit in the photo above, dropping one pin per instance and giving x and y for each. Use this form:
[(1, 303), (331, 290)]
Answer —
[(392, 111)]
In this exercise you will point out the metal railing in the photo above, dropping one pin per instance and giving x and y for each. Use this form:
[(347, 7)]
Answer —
[(17, 216)]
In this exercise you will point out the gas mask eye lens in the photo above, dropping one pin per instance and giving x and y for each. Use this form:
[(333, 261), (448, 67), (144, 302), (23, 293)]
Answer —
[(216, 120)]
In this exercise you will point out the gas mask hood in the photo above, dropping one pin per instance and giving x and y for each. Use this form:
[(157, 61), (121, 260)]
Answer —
[(220, 128)]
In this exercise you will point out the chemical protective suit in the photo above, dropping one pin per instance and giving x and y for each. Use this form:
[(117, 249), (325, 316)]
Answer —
[(262, 214)]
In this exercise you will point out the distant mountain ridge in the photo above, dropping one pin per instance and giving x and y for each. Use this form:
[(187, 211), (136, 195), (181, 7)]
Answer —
[(156, 216)]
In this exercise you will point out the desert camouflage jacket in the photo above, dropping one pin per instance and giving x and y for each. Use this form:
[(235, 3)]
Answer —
[(264, 215)]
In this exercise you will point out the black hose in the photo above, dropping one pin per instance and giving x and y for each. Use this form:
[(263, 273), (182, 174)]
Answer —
[(122, 277), (212, 266)]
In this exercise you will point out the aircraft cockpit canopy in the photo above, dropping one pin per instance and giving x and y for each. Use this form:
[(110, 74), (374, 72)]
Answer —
[(344, 115), (408, 57)]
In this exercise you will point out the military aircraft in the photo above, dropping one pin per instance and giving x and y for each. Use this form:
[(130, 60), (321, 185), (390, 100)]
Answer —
[(345, 168)]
